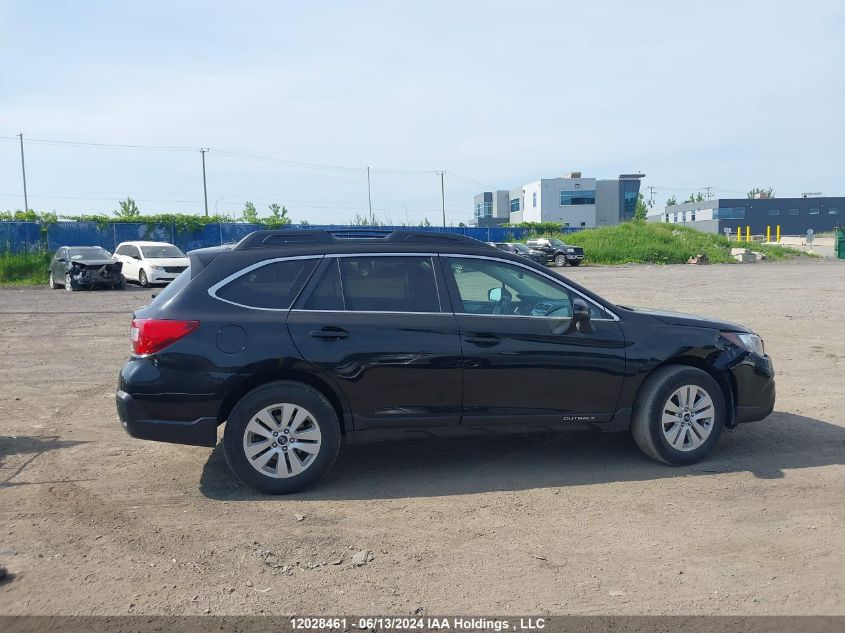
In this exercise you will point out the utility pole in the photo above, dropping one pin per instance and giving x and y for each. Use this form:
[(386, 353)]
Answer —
[(23, 171), (709, 195), (651, 195), (370, 196), (443, 196), (203, 150)]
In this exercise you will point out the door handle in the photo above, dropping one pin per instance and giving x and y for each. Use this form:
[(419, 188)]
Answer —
[(330, 333), (483, 340)]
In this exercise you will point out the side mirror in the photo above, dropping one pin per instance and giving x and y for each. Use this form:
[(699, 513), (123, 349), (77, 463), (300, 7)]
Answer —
[(494, 294), (61, 259), (581, 316)]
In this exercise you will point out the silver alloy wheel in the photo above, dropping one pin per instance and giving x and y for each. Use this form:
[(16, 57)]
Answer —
[(687, 419), (560, 260), (282, 440), (68, 283)]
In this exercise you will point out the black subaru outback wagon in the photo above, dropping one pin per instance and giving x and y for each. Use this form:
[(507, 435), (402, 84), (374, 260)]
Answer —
[(297, 340)]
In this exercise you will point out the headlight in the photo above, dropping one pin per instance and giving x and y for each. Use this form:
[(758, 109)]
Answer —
[(570, 250), (750, 342), (154, 267)]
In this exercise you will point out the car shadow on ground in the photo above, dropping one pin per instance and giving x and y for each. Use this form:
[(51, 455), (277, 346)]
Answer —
[(438, 467), (18, 451)]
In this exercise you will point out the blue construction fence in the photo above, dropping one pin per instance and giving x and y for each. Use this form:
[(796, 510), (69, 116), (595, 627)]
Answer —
[(18, 237)]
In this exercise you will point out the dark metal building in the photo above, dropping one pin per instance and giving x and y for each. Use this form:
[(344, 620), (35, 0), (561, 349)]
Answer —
[(794, 215)]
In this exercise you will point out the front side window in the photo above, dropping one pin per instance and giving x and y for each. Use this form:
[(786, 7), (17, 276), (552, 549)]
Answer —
[(377, 284), (272, 286), (501, 288)]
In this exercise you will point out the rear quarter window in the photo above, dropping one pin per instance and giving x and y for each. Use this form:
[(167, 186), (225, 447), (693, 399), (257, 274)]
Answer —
[(271, 286)]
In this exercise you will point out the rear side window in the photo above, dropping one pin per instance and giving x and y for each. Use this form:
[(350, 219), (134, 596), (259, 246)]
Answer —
[(377, 284), (272, 286)]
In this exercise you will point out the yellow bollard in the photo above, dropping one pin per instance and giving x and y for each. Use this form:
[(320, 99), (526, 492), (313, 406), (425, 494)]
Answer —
[(778, 233), (739, 234), (768, 234), (747, 234)]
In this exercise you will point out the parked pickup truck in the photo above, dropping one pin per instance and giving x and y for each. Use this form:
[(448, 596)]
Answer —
[(557, 252)]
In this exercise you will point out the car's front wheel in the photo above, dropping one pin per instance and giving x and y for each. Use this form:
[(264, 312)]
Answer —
[(281, 437), (679, 415), (560, 260), (69, 285)]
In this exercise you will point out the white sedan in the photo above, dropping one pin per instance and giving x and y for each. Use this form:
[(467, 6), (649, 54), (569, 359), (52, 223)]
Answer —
[(150, 262)]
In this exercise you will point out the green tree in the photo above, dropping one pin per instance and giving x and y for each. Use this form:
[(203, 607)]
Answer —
[(642, 209), (278, 215), (250, 214), (360, 220), (425, 222), (695, 197), (670, 201), (764, 193), (128, 210)]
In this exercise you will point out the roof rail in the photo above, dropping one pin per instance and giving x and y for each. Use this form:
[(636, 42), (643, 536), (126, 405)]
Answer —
[(274, 238)]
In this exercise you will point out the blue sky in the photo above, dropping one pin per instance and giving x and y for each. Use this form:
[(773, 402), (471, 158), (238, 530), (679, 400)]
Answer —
[(727, 94)]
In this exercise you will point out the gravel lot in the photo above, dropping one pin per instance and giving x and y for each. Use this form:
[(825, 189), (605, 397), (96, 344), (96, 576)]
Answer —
[(95, 522)]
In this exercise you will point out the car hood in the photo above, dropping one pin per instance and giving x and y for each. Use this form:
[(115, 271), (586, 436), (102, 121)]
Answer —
[(92, 262), (170, 261), (692, 320)]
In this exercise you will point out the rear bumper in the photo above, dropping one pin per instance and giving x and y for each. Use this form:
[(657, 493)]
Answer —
[(199, 432)]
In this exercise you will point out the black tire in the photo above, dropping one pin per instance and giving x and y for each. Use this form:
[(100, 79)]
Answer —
[(575, 262), (142, 279), (560, 261), (647, 425), (283, 391), (52, 282), (121, 284), (69, 285)]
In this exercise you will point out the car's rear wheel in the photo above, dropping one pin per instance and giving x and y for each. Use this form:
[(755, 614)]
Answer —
[(560, 260), (281, 437), (69, 285), (52, 283), (679, 415), (142, 279)]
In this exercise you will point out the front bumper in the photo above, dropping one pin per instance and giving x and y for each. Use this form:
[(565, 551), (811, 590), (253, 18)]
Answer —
[(754, 377), (199, 432), (161, 276)]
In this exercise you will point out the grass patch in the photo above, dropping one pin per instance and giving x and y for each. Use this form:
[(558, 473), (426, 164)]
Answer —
[(661, 243), (24, 269)]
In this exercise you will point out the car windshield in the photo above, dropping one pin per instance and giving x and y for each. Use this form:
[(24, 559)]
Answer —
[(88, 252), (161, 252), (522, 248)]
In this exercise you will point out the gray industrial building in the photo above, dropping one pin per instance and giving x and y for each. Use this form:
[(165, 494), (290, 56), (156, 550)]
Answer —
[(794, 215), (569, 200)]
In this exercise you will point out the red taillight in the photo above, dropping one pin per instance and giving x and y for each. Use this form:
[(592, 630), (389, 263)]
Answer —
[(153, 335)]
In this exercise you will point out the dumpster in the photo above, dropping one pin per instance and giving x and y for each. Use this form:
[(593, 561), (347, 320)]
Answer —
[(839, 243)]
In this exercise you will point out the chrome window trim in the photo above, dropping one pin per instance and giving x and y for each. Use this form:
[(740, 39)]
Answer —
[(449, 314), (212, 291), (547, 276)]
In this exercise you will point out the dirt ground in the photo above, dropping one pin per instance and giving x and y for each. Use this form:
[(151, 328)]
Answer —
[(95, 522)]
